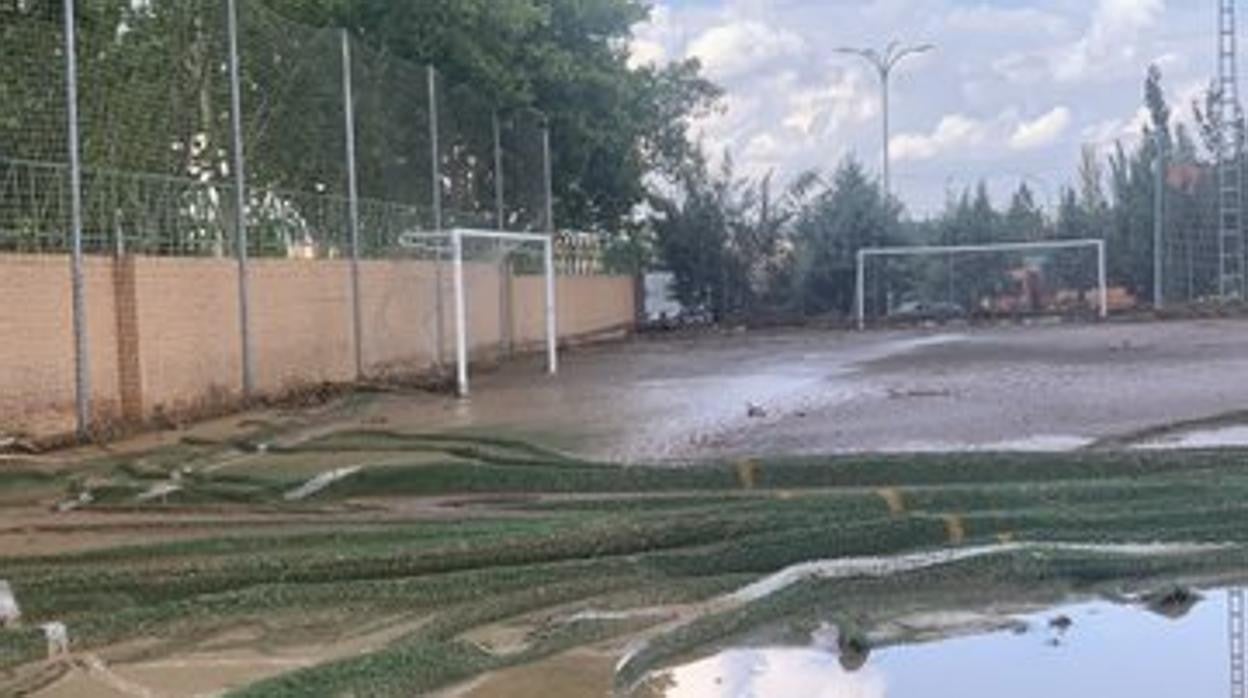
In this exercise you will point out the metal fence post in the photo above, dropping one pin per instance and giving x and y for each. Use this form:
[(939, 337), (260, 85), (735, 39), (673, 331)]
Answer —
[(552, 317), (548, 175), (860, 291), (1102, 277), (552, 310), (353, 204), (1159, 222), (82, 360), (435, 152), (500, 180), (240, 197), (506, 318)]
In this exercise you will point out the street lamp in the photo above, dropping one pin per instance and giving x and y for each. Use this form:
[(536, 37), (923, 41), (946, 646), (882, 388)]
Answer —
[(884, 63)]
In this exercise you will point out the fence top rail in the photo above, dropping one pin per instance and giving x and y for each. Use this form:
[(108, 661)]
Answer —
[(994, 247)]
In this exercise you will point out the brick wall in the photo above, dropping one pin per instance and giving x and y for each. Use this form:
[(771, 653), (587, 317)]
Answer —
[(164, 332)]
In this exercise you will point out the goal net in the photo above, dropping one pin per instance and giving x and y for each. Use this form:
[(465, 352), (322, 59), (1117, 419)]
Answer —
[(943, 283), (496, 291)]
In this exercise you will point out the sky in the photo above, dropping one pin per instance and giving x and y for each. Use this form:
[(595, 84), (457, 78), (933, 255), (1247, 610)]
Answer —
[(1013, 91)]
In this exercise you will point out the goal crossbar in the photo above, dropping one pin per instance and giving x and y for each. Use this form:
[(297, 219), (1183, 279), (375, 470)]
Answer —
[(457, 237), (860, 291)]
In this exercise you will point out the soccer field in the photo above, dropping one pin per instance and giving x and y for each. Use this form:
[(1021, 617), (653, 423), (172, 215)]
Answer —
[(397, 543), (1048, 388)]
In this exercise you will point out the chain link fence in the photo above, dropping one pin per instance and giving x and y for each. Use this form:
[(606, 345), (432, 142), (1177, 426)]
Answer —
[(340, 148)]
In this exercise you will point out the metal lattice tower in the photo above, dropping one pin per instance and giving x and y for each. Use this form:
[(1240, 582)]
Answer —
[(1230, 173), (1235, 606)]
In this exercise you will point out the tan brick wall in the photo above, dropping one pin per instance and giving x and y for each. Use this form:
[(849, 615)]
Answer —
[(301, 323), (37, 345), (190, 351), (585, 305), (399, 314), (164, 332)]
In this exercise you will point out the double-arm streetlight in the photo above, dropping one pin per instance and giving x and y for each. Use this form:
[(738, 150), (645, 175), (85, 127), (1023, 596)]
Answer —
[(884, 62)]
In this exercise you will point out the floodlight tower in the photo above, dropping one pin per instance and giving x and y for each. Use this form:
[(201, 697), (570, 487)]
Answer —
[(884, 62), (1235, 609), (1231, 258), (1230, 113)]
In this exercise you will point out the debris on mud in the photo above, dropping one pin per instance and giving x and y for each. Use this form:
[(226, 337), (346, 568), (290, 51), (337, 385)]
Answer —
[(14, 445), (1172, 603), (160, 491), (320, 482), (854, 649), (918, 393), (77, 501), (10, 614), (57, 636)]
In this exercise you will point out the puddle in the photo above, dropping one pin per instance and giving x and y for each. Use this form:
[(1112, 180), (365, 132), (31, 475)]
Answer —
[(701, 410), (1092, 650), (1225, 437), (1032, 444)]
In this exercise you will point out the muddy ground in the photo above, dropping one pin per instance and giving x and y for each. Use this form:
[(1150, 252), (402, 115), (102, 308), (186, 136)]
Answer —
[(396, 544), (1036, 388)]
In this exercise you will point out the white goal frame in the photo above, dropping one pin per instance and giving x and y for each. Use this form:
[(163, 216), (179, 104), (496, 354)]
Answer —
[(860, 289), (456, 237)]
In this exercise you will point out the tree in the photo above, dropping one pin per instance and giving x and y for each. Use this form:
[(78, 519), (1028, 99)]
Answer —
[(845, 217), (612, 125), (723, 238), (971, 219), (1024, 220), (693, 232), (155, 100)]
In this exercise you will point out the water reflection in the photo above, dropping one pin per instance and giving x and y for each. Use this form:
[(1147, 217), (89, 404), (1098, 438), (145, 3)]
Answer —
[(1171, 644)]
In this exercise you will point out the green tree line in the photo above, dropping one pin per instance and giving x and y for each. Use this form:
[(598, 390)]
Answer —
[(738, 249)]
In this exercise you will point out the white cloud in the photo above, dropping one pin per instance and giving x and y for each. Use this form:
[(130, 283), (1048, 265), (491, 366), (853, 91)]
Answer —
[(1111, 44), (987, 18), (650, 39), (810, 673), (954, 131), (1041, 132), (1112, 38), (823, 109), (730, 50), (980, 107)]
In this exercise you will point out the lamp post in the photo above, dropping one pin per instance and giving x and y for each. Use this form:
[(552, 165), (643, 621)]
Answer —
[(884, 62)]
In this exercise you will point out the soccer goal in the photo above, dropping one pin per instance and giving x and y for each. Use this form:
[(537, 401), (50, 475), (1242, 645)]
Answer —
[(970, 281), (475, 256)]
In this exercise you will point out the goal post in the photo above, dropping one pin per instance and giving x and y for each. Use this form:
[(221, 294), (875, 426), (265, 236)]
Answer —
[(1015, 250), (456, 241)]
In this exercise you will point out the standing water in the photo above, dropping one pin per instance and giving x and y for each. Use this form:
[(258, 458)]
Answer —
[(1095, 650)]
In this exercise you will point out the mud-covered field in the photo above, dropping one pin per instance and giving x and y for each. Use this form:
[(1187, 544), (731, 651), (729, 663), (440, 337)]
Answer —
[(1032, 388), (396, 544)]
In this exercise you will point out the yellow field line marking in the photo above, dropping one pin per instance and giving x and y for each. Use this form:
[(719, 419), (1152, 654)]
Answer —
[(98, 669), (747, 473), (956, 528), (894, 499)]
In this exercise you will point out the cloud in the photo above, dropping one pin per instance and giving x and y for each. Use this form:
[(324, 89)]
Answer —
[(1041, 132), (649, 45), (822, 109), (730, 50), (987, 18), (954, 132), (1110, 45), (984, 104), (810, 673), (1112, 38)]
